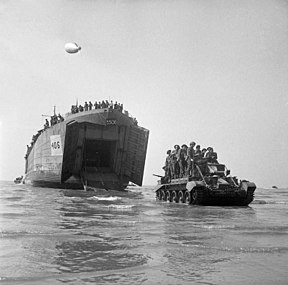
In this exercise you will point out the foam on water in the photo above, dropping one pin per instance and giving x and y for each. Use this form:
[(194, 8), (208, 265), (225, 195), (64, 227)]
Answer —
[(269, 202), (104, 198), (211, 227), (120, 207)]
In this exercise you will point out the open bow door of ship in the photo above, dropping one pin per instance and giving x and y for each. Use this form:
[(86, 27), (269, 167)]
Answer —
[(136, 153), (72, 157), (89, 153)]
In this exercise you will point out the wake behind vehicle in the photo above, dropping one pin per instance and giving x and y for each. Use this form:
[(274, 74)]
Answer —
[(210, 184)]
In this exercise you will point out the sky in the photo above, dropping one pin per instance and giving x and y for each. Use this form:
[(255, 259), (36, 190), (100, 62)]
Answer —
[(213, 72)]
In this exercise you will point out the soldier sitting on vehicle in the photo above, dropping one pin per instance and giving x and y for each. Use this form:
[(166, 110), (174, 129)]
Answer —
[(198, 154), (199, 159), (203, 151), (211, 156)]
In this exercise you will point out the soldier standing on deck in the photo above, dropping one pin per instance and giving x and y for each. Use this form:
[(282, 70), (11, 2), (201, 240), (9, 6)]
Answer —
[(46, 126), (61, 119), (86, 106)]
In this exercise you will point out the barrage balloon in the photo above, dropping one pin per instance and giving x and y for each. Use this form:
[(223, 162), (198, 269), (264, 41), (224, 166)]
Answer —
[(72, 47)]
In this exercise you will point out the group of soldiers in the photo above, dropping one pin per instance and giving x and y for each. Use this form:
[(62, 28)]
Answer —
[(33, 140), (180, 162), (97, 105), (53, 121), (101, 105)]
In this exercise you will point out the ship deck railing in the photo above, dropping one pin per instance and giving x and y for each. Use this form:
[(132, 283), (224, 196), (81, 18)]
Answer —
[(100, 110)]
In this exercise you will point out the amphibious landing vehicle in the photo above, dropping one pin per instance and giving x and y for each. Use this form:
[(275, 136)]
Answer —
[(100, 148), (209, 185)]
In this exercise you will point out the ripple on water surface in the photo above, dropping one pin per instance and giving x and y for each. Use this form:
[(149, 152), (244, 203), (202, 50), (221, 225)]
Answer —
[(52, 236)]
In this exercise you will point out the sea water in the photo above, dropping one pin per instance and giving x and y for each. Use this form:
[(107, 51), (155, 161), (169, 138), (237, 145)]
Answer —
[(53, 236)]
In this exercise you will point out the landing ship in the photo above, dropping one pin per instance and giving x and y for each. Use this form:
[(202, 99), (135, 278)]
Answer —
[(100, 148)]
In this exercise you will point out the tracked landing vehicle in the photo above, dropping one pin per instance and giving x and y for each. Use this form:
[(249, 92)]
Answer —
[(210, 185)]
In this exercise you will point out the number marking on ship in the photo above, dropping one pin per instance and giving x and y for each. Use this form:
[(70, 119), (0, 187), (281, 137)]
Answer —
[(56, 146)]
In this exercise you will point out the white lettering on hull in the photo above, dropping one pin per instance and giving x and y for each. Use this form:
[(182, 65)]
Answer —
[(56, 145)]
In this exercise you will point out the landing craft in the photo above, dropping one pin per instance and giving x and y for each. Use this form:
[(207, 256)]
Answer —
[(72, 48), (92, 149)]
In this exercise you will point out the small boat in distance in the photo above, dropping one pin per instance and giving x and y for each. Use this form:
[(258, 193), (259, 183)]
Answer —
[(18, 180), (90, 148)]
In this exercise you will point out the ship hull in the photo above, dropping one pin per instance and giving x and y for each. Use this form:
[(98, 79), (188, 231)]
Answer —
[(99, 148)]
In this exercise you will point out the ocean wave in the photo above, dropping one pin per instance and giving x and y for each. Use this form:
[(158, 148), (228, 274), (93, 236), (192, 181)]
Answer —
[(104, 198), (248, 229), (241, 249), (257, 249), (254, 230), (20, 233), (76, 198), (269, 202), (120, 207), (212, 227)]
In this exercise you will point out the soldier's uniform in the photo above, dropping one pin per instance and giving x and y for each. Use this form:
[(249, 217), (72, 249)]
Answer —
[(168, 165), (190, 157), (177, 163), (183, 160), (211, 155), (174, 161)]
